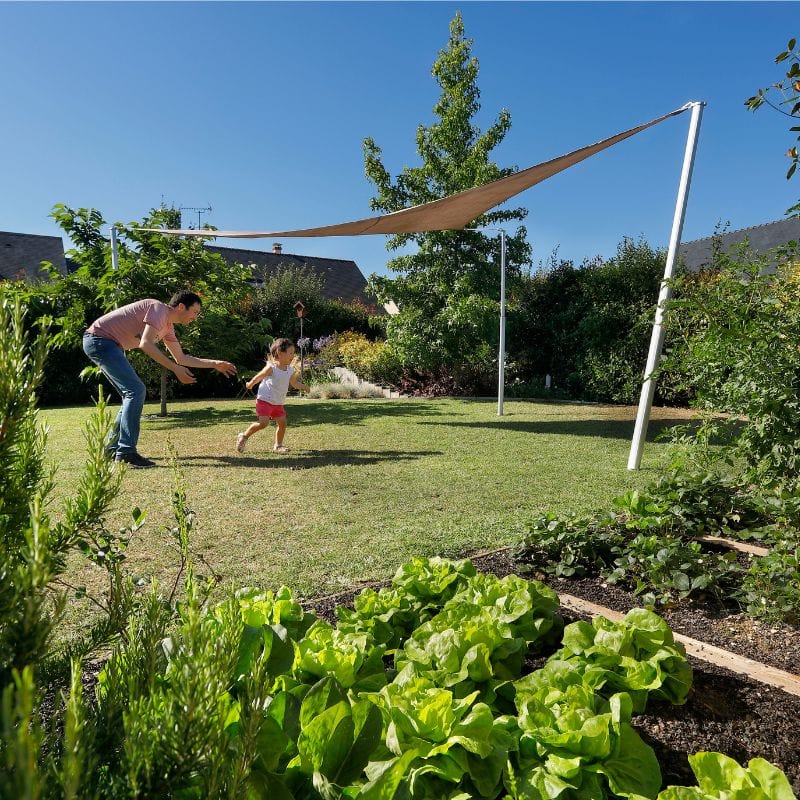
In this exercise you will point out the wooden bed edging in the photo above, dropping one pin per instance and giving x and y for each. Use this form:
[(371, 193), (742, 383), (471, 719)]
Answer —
[(743, 547), (705, 652)]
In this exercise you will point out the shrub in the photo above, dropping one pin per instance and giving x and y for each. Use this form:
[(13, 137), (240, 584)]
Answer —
[(374, 361), (588, 326), (343, 391), (771, 587), (33, 548), (735, 331)]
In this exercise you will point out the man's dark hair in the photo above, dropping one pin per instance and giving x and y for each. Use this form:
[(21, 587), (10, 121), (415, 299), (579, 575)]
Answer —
[(186, 297)]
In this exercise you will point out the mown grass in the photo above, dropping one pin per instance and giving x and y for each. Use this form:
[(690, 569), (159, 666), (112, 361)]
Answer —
[(367, 483)]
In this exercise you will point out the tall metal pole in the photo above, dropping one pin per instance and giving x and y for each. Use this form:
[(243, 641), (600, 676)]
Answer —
[(657, 338), (302, 348), (114, 251), (501, 355)]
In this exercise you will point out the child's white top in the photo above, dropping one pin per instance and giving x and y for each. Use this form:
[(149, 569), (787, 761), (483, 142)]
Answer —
[(274, 387)]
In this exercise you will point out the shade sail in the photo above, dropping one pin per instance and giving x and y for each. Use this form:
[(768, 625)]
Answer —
[(449, 213)]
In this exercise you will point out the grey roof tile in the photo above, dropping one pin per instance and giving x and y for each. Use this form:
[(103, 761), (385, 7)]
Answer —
[(21, 255), (342, 279), (697, 254)]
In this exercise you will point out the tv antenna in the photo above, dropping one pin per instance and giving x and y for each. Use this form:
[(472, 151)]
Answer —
[(199, 211)]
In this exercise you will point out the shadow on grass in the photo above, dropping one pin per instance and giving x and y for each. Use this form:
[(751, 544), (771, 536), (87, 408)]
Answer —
[(314, 412), (598, 428), (308, 459)]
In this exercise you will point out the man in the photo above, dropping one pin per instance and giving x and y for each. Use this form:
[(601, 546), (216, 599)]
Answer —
[(143, 324)]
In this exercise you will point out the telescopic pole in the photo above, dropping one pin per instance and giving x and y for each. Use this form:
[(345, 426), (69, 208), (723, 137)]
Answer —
[(501, 355), (657, 338)]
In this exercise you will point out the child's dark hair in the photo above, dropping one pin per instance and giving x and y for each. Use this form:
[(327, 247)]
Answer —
[(281, 345), (186, 297)]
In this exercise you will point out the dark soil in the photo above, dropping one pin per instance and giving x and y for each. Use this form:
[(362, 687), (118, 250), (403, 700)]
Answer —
[(725, 712)]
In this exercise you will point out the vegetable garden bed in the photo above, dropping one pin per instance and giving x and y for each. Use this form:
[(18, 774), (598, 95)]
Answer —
[(725, 712)]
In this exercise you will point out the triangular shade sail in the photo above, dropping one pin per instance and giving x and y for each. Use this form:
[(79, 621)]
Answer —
[(449, 213)]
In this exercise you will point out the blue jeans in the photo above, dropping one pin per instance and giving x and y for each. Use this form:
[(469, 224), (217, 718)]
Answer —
[(110, 357)]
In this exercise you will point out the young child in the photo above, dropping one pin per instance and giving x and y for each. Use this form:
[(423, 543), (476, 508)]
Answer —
[(275, 380)]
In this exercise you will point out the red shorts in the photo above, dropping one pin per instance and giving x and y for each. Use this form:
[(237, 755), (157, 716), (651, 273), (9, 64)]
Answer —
[(265, 409)]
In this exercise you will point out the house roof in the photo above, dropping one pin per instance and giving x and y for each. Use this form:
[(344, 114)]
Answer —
[(698, 253), (21, 255), (342, 279)]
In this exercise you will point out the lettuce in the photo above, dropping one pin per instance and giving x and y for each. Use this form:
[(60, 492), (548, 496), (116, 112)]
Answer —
[(388, 615), (419, 590), (483, 633), (576, 744), (638, 655), (531, 607), (437, 742), (353, 660), (721, 778), (260, 607), (433, 580)]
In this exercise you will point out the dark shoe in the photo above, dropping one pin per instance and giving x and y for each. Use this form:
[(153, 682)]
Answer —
[(134, 460)]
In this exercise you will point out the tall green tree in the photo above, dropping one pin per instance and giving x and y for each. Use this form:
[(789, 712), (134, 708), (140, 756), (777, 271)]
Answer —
[(448, 290)]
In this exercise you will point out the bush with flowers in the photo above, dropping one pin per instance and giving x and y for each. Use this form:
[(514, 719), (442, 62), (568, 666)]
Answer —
[(372, 361)]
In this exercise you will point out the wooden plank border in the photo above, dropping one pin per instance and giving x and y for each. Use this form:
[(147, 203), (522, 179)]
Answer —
[(743, 547)]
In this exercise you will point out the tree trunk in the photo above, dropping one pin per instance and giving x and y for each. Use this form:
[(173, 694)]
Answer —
[(163, 412)]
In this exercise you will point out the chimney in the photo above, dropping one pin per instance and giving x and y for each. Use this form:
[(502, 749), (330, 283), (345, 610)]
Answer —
[(276, 247)]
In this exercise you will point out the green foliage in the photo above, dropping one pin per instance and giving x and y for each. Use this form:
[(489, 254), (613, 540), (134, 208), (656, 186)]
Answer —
[(568, 546), (33, 556), (735, 344), (637, 655), (587, 327), (34, 549), (419, 590), (373, 361), (722, 778), (789, 104), (433, 580), (150, 264), (274, 299), (353, 659), (664, 568), (771, 587), (439, 742), (448, 290), (20, 738), (482, 633), (575, 743)]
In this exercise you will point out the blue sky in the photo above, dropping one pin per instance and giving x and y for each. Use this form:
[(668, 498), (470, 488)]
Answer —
[(259, 110)]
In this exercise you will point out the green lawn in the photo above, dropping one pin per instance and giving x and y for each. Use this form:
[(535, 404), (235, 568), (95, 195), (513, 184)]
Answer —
[(367, 483)]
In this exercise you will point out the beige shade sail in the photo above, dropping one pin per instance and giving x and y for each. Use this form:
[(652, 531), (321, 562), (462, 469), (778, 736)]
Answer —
[(449, 213)]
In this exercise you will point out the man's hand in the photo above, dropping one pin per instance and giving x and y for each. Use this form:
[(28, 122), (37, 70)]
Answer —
[(183, 374), (226, 368)]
